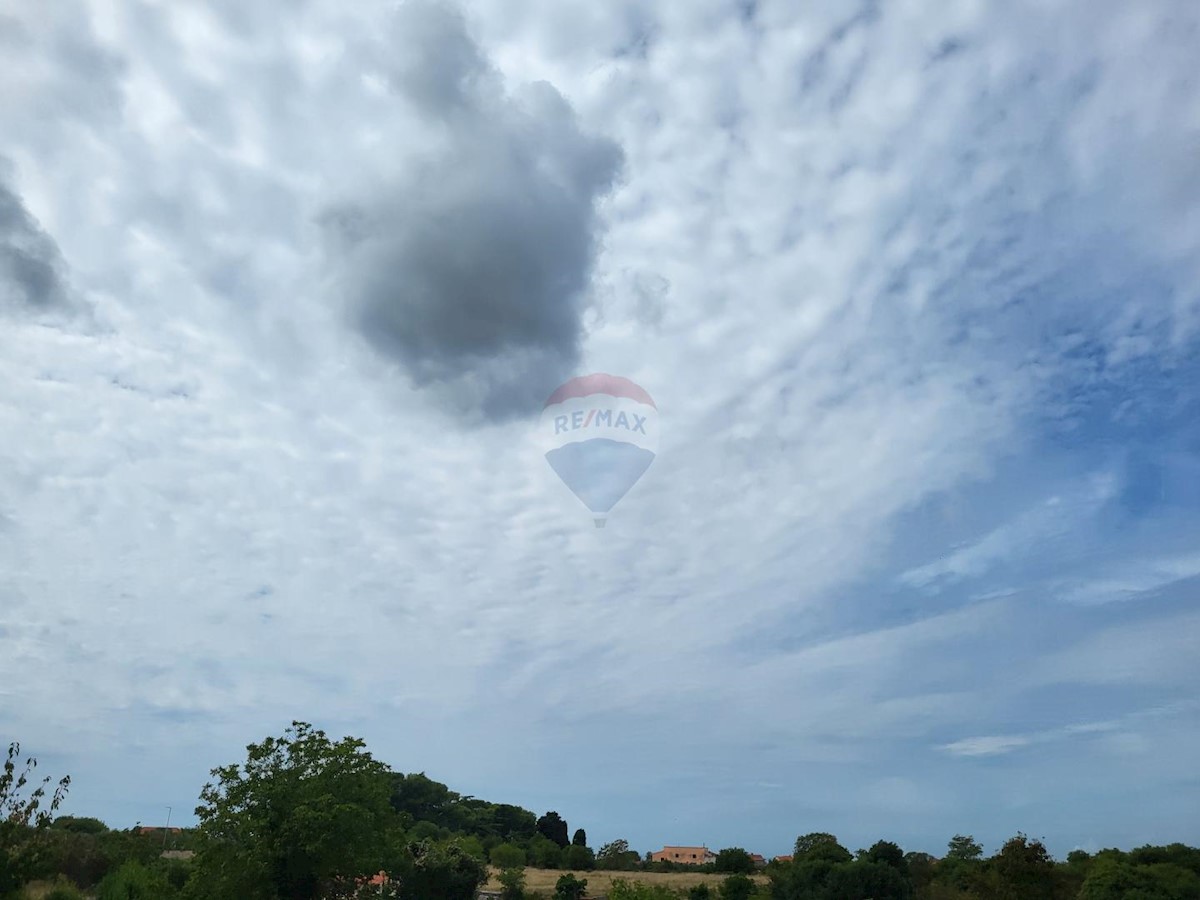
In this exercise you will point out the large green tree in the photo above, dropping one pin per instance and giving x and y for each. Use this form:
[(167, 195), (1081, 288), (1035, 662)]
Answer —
[(25, 812), (1023, 870), (300, 813), (820, 845), (553, 827), (733, 860)]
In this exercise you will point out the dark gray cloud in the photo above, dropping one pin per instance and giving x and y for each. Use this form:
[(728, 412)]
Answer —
[(31, 267), (470, 269)]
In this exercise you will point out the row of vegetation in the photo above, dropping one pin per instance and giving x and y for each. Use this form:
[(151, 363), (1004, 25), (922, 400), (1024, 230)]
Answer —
[(308, 818)]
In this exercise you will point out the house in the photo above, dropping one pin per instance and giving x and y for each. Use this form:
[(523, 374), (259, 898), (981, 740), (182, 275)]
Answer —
[(177, 854), (782, 859), (686, 856), (758, 859)]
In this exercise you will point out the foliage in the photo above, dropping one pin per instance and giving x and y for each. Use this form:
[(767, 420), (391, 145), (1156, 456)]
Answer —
[(577, 857), (554, 828), (1023, 870), (636, 890), (416, 798), (699, 892), (23, 818), (888, 854), (616, 856), (63, 890), (579, 838), (544, 853), (133, 881), (964, 846), (734, 860), (301, 812), (441, 872), (512, 884), (79, 825), (568, 887), (737, 887), (820, 846), (507, 856)]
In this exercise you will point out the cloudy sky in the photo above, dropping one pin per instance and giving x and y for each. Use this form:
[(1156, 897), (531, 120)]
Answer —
[(914, 286)]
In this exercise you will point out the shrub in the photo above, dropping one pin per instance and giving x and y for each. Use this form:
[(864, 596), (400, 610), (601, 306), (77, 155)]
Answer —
[(63, 890), (569, 887), (512, 884), (636, 890), (737, 887), (507, 856), (133, 881)]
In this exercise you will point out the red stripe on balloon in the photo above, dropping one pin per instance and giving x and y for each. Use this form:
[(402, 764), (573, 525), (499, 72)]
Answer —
[(600, 383)]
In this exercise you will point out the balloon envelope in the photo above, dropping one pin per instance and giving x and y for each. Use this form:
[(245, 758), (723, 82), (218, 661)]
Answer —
[(600, 434)]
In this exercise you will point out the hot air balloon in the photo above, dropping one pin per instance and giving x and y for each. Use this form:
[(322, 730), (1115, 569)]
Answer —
[(601, 434)]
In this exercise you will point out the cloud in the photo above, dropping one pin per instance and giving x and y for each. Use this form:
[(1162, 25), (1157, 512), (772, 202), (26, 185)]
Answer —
[(32, 271), (471, 267), (894, 280)]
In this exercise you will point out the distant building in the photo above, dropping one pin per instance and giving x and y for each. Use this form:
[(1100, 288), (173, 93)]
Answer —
[(155, 829), (782, 859), (685, 856), (758, 859), (177, 854)]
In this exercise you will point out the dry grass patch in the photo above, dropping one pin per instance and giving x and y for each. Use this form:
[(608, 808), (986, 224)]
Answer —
[(543, 880)]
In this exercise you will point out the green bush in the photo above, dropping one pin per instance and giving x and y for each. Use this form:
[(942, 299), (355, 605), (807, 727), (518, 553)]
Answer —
[(507, 856), (512, 884), (569, 887), (737, 887), (133, 881), (636, 890), (63, 890)]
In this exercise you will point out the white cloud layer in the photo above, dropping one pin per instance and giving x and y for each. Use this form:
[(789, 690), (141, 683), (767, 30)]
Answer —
[(915, 289)]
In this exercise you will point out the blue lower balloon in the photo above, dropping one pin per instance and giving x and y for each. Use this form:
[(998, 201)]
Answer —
[(600, 471)]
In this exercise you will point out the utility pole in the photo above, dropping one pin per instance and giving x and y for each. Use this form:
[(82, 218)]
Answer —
[(166, 830)]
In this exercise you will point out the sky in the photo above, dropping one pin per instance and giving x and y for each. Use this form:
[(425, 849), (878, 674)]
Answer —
[(915, 289)]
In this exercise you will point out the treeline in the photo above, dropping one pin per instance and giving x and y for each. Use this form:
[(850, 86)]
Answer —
[(822, 869), (307, 818)]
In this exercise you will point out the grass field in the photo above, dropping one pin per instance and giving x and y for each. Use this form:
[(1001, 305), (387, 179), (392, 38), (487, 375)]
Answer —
[(542, 880)]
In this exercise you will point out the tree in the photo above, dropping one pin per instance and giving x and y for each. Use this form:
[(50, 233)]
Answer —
[(577, 857), (23, 818), (733, 860), (616, 856), (79, 825), (888, 854), (441, 872), (133, 881), (553, 827), (568, 887), (921, 868), (820, 845), (1024, 870), (964, 846), (737, 887), (579, 839), (301, 812), (512, 884), (507, 856), (699, 892), (867, 880), (544, 853)]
